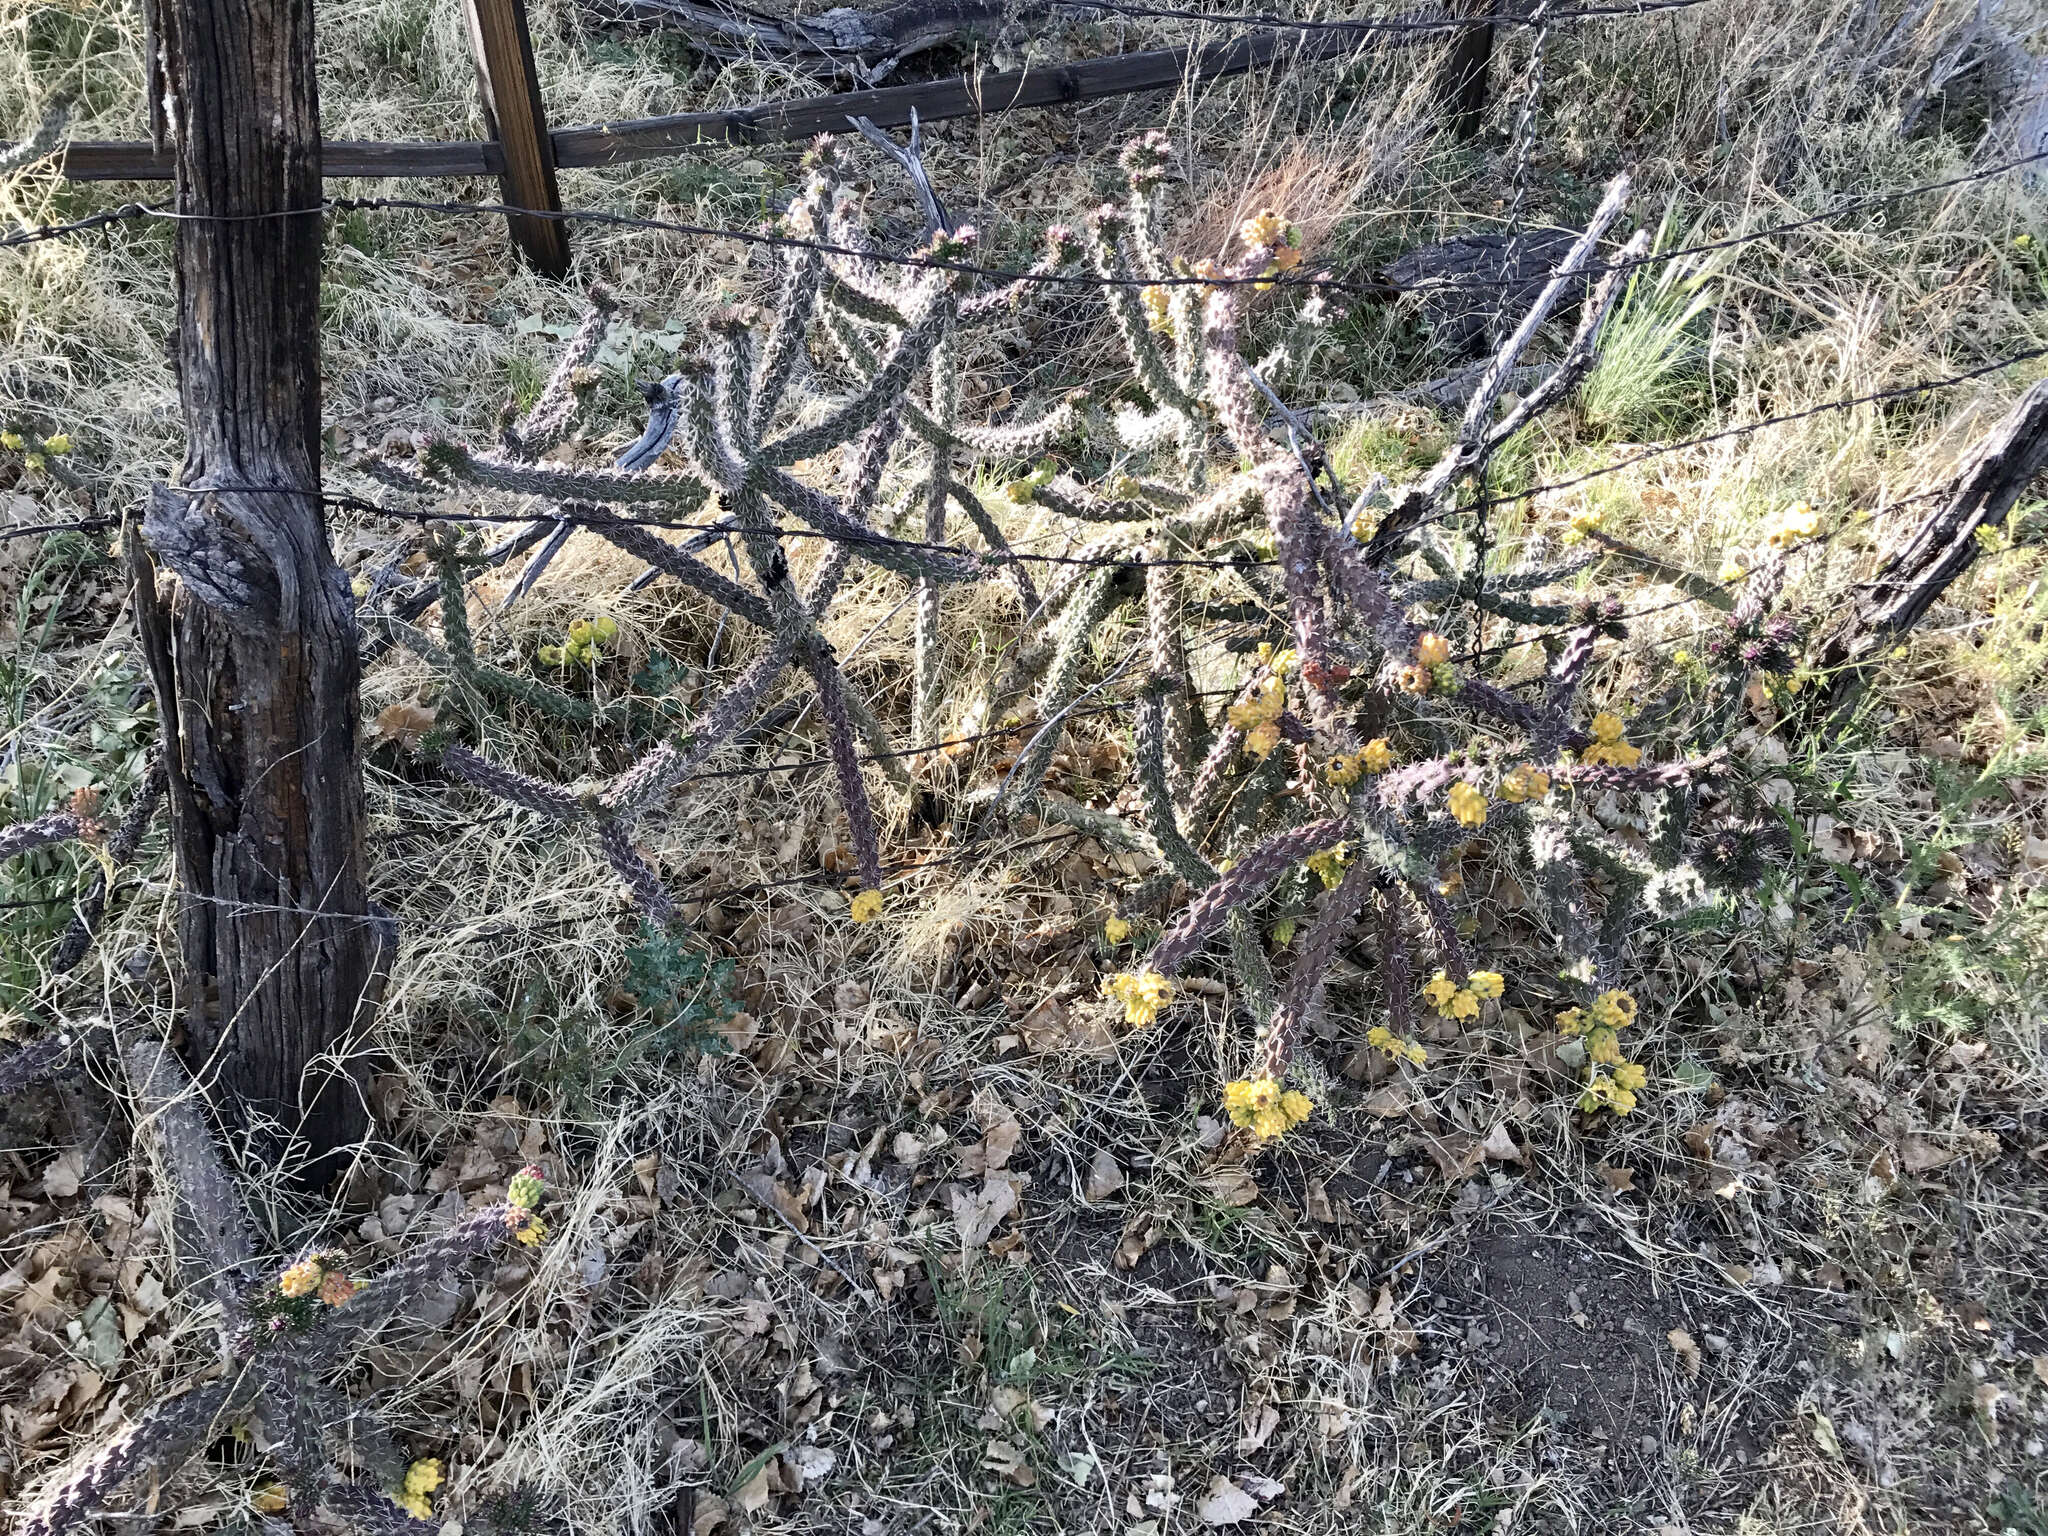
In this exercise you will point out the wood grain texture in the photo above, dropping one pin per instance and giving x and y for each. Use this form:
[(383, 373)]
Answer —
[(255, 662), (623, 142), (513, 111), (1992, 477)]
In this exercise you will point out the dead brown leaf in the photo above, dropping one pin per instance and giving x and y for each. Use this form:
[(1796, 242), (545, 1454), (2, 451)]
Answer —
[(66, 1172), (1231, 1184), (1457, 1154), (1317, 1203), (1686, 1349), (1105, 1178), (977, 1215), (1009, 1462), (1000, 1133), (1920, 1155), (1499, 1146), (403, 723)]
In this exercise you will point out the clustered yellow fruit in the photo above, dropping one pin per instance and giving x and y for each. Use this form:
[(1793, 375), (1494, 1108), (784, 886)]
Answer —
[(1344, 769), (866, 906), (1796, 523), (1732, 569), (1528, 782), (1259, 715), (1616, 1092), (421, 1479), (1157, 313), (1115, 930), (1143, 993), (1378, 755), (310, 1276), (528, 1228), (527, 1188), (1381, 1038), (1267, 231), (1601, 1022), (1431, 667), (1584, 521), (1468, 804), (302, 1279), (1612, 1009), (1329, 865), (1263, 228), (1453, 1001), (1260, 1105), (1608, 748), (586, 639)]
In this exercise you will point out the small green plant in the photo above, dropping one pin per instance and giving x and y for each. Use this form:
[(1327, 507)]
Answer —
[(680, 987), (679, 995), (1653, 352)]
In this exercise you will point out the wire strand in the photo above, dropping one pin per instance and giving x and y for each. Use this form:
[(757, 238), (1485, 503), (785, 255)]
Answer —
[(1372, 286)]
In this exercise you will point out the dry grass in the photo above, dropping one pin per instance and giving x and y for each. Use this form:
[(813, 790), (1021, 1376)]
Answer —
[(1834, 1195)]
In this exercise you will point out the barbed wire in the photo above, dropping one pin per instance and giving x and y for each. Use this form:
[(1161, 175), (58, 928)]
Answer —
[(1265, 21), (891, 872), (82, 525), (1370, 286), (1744, 429)]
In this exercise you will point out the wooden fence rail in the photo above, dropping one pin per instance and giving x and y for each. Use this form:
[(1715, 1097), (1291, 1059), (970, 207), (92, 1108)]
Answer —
[(524, 153), (767, 122)]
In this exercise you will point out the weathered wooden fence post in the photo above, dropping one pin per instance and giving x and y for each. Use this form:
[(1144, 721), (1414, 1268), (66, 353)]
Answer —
[(516, 118), (1466, 69), (253, 650)]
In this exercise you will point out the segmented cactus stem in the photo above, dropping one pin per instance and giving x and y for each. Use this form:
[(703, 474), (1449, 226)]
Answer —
[(168, 1433), (1150, 733), (406, 1283), (679, 495), (853, 791), (881, 393), (644, 544), (1444, 925), (121, 849), (1248, 878), (1154, 376), (53, 827), (649, 894), (1015, 570), (1394, 964), (512, 786), (1337, 912), (803, 276), (42, 142), (548, 420)]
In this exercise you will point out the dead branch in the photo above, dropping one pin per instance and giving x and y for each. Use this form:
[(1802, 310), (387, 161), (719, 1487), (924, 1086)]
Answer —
[(865, 44), (1982, 491)]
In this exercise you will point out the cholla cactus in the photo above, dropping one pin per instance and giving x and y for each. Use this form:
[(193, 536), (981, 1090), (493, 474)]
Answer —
[(284, 1326), (47, 138), (1362, 752), (728, 416)]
